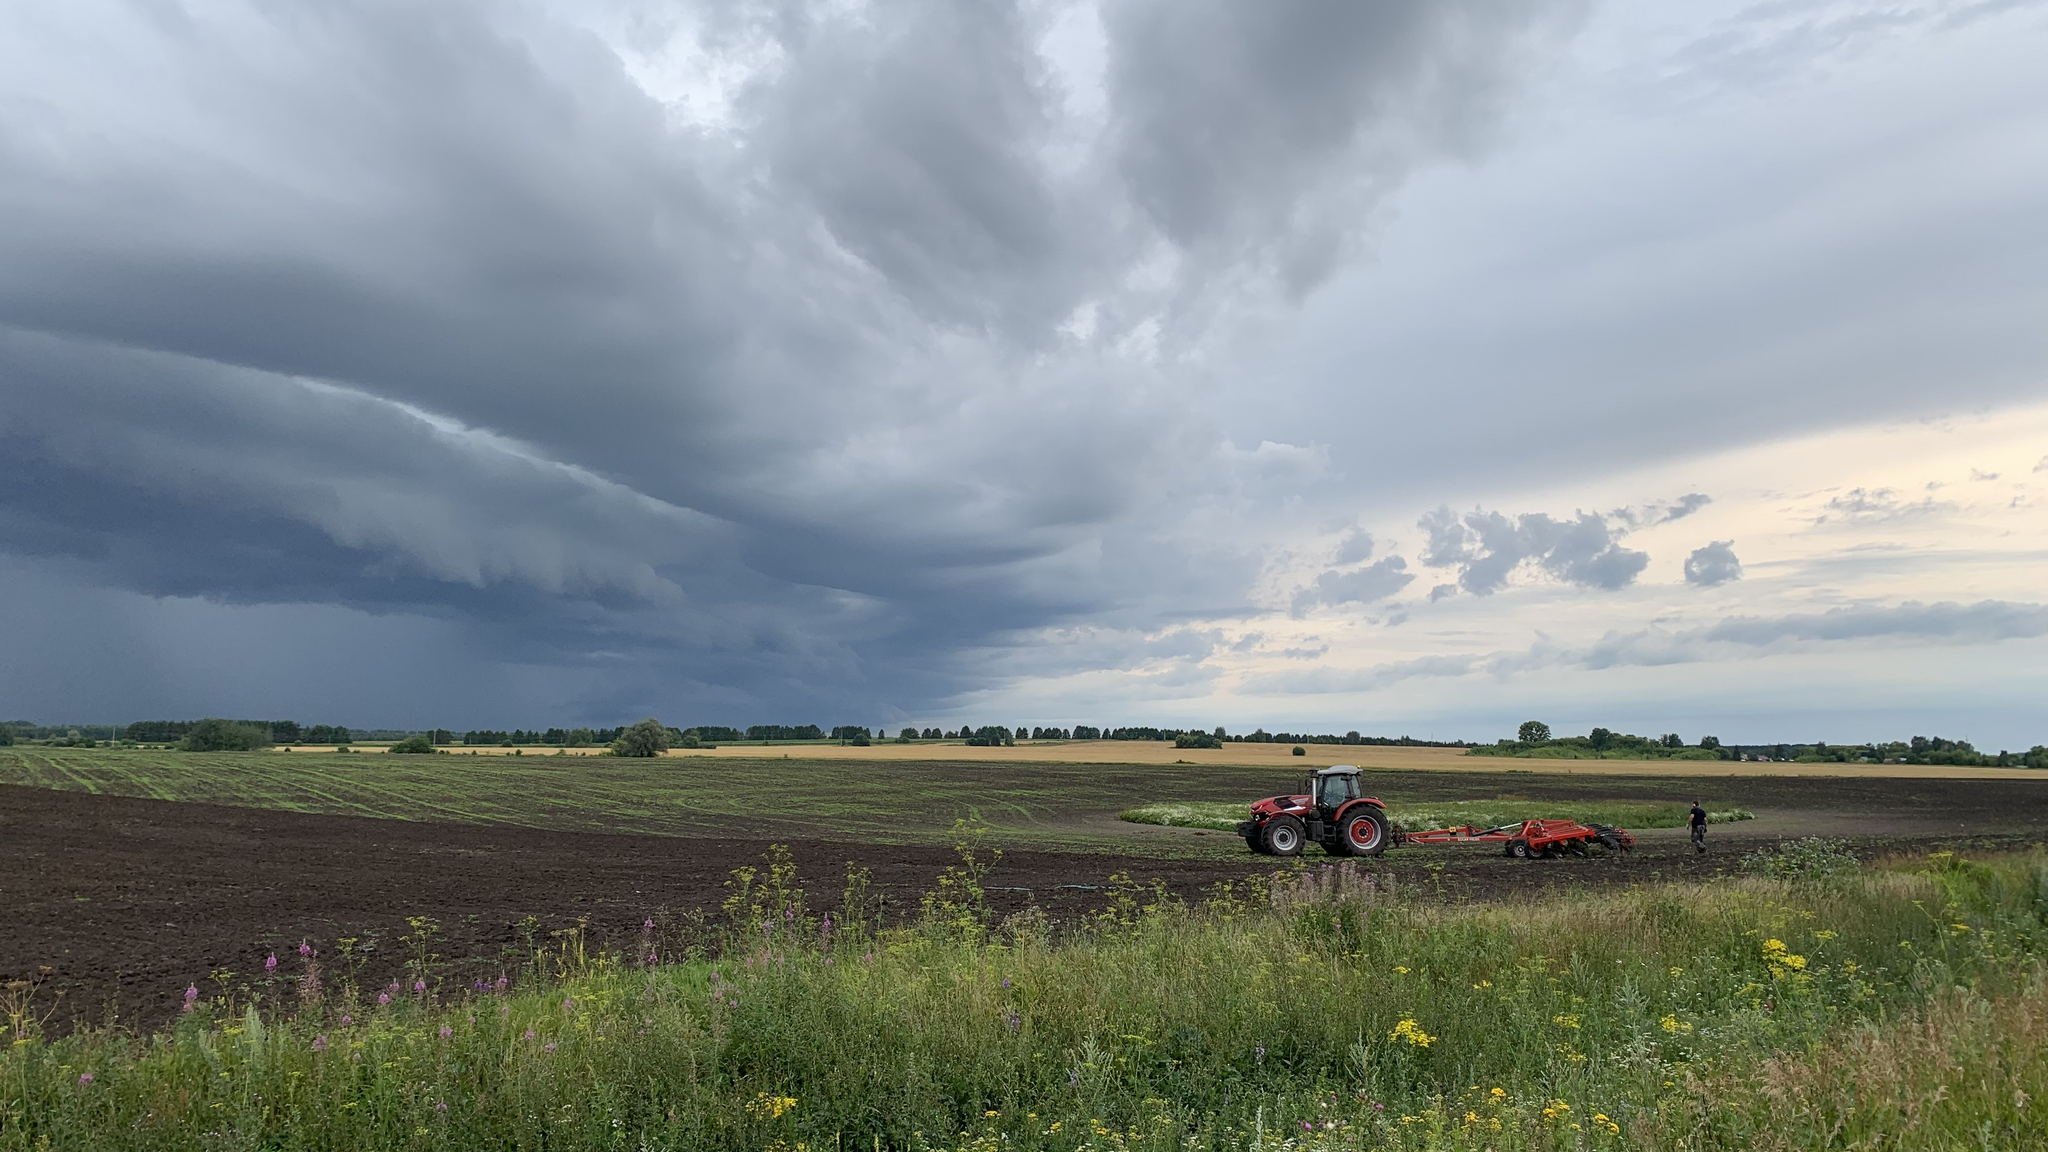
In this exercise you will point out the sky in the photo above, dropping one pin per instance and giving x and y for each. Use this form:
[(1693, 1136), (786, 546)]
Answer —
[(1418, 367)]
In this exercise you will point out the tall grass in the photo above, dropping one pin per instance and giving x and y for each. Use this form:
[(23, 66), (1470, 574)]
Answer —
[(1317, 1009), (1224, 817)]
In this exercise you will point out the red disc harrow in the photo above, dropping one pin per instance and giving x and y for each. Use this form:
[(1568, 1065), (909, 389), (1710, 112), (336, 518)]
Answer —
[(1529, 838)]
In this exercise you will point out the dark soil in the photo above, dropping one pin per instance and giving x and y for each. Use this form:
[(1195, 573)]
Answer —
[(129, 901)]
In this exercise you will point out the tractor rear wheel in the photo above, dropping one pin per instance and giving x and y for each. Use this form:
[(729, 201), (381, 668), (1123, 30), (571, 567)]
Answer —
[(1520, 849), (1283, 836), (1364, 833)]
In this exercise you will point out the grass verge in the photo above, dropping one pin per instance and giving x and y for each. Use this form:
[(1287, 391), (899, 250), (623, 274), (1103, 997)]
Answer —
[(1316, 1009), (1224, 817)]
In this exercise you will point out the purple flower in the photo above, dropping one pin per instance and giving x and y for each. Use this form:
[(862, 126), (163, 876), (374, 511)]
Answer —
[(393, 989), (84, 1078), (347, 1019), (653, 959), (383, 997), (446, 1031), (1012, 1020), (419, 986), (305, 949), (1006, 981), (1379, 1107), (528, 1036), (548, 1047), (1307, 1127), (790, 914), (441, 1107), (270, 965), (191, 996), (732, 1003), (503, 983), (476, 985), (569, 1004), (649, 925), (320, 1042)]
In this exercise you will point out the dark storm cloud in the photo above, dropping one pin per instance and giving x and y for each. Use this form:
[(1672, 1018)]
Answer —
[(1713, 564), (1488, 547), (436, 311)]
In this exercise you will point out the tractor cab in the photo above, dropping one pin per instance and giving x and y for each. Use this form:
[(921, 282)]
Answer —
[(1329, 789)]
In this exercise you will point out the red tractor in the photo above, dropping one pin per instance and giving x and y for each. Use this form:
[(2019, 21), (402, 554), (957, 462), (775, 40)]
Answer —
[(1330, 812)]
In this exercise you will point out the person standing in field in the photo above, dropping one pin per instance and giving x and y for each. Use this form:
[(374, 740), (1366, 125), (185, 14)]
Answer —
[(1699, 827)]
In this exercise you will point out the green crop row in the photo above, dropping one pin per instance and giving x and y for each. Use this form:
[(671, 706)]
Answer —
[(1901, 1008)]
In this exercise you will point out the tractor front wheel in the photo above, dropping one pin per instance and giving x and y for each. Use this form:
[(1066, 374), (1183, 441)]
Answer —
[(1283, 836), (1364, 833), (1256, 844)]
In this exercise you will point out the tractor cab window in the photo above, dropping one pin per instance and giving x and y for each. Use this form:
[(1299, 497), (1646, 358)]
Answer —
[(1337, 791)]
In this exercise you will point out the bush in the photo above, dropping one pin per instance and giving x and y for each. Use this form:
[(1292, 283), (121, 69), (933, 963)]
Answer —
[(1808, 858), (1196, 740), (414, 746), (650, 737), (215, 735), (1300, 751)]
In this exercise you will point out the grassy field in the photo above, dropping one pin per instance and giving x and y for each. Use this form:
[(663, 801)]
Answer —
[(1048, 805), (1451, 814), (1901, 1008)]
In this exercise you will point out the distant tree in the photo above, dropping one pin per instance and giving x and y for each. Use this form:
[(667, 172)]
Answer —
[(1300, 751), (216, 735), (1532, 732), (1198, 740), (1715, 742), (1600, 738), (647, 738), (1672, 740), (690, 740), (418, 745)]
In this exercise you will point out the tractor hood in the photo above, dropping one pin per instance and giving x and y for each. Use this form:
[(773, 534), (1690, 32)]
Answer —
[(1275, 805)]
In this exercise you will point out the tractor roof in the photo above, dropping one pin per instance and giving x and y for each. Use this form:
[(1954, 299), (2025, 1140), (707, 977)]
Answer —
[(1338, 770)]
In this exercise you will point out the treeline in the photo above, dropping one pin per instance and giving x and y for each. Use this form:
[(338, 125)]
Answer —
[(1535, 741)]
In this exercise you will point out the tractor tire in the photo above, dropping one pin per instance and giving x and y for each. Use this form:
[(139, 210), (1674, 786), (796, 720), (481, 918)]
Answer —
[(1520, 850), (1364, 832), (1253, 843), (1283, 836)]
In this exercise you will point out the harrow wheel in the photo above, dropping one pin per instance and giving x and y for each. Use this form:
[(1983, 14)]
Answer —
[(1520, 849)]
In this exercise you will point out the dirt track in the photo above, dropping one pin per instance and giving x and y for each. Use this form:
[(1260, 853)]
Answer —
[(130, 900)]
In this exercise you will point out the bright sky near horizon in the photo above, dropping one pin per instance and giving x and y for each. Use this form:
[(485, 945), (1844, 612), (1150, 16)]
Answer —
[(1417, 367)]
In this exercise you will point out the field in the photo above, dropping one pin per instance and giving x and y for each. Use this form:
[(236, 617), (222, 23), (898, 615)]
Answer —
[(1138, 986), (1418, 815)]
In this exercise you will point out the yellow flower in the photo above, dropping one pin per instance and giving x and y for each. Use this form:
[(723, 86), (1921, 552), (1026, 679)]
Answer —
[(1402, 969), (1412, 1032), (1565, 1021), (1826, 934), (1673, 1024), (1498, 1093)]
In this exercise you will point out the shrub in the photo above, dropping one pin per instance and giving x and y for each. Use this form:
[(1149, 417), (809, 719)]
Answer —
[(650, 737), (1196, 740), (414, 746), (215, 735), (1300, 751), (1808, 858)]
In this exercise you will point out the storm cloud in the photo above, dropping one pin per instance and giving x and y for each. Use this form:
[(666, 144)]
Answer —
[(892, 359)]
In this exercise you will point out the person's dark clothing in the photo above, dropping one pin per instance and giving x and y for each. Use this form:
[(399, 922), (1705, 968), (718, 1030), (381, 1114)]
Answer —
[(1699, 816), (1699, 828)]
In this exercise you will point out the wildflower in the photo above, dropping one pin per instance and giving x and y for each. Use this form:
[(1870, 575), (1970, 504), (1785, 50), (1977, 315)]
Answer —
[(441, 1107), (446, 1031), (1499, 1093), (393, 989), (569, 1004), (270, 963), (347, 1020), (548, 1047), (419, 986), (528, 1036), (1259, 1054), (84, 1079), (191, 997), (649, 925), (1412, 1032), (503, 983), (652, 958), (1826, 934), (383, 997), (305, 950), (320, 1042), (1006, 981), (1565, 1021), (1013, 1020)]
